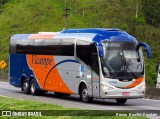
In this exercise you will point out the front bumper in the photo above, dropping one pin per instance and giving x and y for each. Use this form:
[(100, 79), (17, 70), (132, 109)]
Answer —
[(122, 93)]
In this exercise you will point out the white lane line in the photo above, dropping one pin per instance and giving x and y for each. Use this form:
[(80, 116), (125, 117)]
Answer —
[(6, 96), (51, 99), (10, 97), (63, 101), (59, 102)]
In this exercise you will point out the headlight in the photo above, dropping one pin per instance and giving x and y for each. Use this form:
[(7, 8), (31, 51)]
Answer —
[(106, 87), (143, 86)]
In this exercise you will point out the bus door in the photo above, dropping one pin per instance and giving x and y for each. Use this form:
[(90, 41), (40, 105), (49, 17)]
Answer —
[(95, 75)]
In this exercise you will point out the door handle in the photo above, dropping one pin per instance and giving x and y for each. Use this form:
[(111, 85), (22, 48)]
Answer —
[(78, 77)]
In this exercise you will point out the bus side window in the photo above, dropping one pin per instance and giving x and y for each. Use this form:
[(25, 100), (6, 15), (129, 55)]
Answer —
[(22, 46), (95, 66), (84, 52), (88, 54)]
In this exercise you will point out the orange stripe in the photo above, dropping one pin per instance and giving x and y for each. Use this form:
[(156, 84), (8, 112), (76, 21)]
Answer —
[(135, 83), (41, 67), (41, 36)]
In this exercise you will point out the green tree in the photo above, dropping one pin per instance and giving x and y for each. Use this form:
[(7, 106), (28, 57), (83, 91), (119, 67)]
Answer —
[(151, 11)]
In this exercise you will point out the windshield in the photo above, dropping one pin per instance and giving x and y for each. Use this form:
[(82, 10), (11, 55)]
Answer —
[(122, 60)]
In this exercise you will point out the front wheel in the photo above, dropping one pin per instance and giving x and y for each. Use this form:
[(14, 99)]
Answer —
[(84, 95), (121, 101)]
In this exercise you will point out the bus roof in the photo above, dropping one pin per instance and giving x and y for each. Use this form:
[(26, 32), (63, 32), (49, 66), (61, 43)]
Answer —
[(88, 34)]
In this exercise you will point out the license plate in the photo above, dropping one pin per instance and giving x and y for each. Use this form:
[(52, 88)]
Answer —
[(125, 93)]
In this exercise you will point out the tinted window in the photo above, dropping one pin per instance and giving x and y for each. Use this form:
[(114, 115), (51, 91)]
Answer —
[(87, 53), (40, 46)]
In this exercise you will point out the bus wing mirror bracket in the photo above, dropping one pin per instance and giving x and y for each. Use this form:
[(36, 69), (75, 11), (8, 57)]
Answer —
[(100, 49), (147, 47)]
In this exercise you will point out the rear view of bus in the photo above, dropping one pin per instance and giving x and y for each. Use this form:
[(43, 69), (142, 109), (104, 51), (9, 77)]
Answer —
[(92, 63)]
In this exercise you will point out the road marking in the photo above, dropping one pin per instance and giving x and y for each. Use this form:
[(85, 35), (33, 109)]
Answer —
[(6, 96), (10, 97), (57, 100), (42, 99), (85, 105)]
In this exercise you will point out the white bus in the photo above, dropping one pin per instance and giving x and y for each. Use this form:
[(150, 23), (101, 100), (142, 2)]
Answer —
[(93, 63)]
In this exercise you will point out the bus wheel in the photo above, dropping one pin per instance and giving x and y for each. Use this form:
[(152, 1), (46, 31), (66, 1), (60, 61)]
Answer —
[(84, 95), (121, 101), (33, 89), (25, 86)]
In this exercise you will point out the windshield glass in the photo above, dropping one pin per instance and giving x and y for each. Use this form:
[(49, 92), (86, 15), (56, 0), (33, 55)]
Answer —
[(122, 60)]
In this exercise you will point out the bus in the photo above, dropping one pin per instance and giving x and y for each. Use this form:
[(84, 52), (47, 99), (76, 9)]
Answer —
[(91, 62), (158, 76)]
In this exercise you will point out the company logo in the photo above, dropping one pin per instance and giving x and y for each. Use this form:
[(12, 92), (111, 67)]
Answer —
[(41, 61), (6, 113), (81, 68)]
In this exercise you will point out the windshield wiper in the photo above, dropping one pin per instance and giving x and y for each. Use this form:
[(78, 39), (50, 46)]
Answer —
[(124, 64)]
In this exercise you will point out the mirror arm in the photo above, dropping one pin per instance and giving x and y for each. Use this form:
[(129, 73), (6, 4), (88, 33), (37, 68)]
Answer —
[(147, 47)]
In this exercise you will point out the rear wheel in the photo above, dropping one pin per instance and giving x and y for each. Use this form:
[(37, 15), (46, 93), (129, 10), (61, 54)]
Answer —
[(33, 89), (121, 101), (84, 95), (25, 86)]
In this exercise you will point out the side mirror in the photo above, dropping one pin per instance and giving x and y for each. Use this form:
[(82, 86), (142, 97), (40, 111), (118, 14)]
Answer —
[(147, 47), (100, 49)]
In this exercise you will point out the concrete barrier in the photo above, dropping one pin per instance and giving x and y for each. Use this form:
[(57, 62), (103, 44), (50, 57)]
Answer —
[(3, 78), (152, 93)]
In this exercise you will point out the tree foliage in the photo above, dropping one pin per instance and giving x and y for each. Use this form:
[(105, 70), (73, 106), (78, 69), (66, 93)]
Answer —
[(151, 11)]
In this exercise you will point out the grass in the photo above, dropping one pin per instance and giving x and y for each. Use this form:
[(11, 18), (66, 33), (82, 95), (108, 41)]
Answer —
[(55, 111)]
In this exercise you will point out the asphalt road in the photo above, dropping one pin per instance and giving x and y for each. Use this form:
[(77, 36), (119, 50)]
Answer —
[(138, 105)]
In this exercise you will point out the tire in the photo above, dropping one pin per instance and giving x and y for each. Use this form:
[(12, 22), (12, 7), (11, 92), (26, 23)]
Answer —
[(25, 86), (121, 101), (84, 95), (33, 89)]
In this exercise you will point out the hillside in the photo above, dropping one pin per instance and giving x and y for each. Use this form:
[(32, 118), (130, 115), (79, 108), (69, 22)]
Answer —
[(32, 16)]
